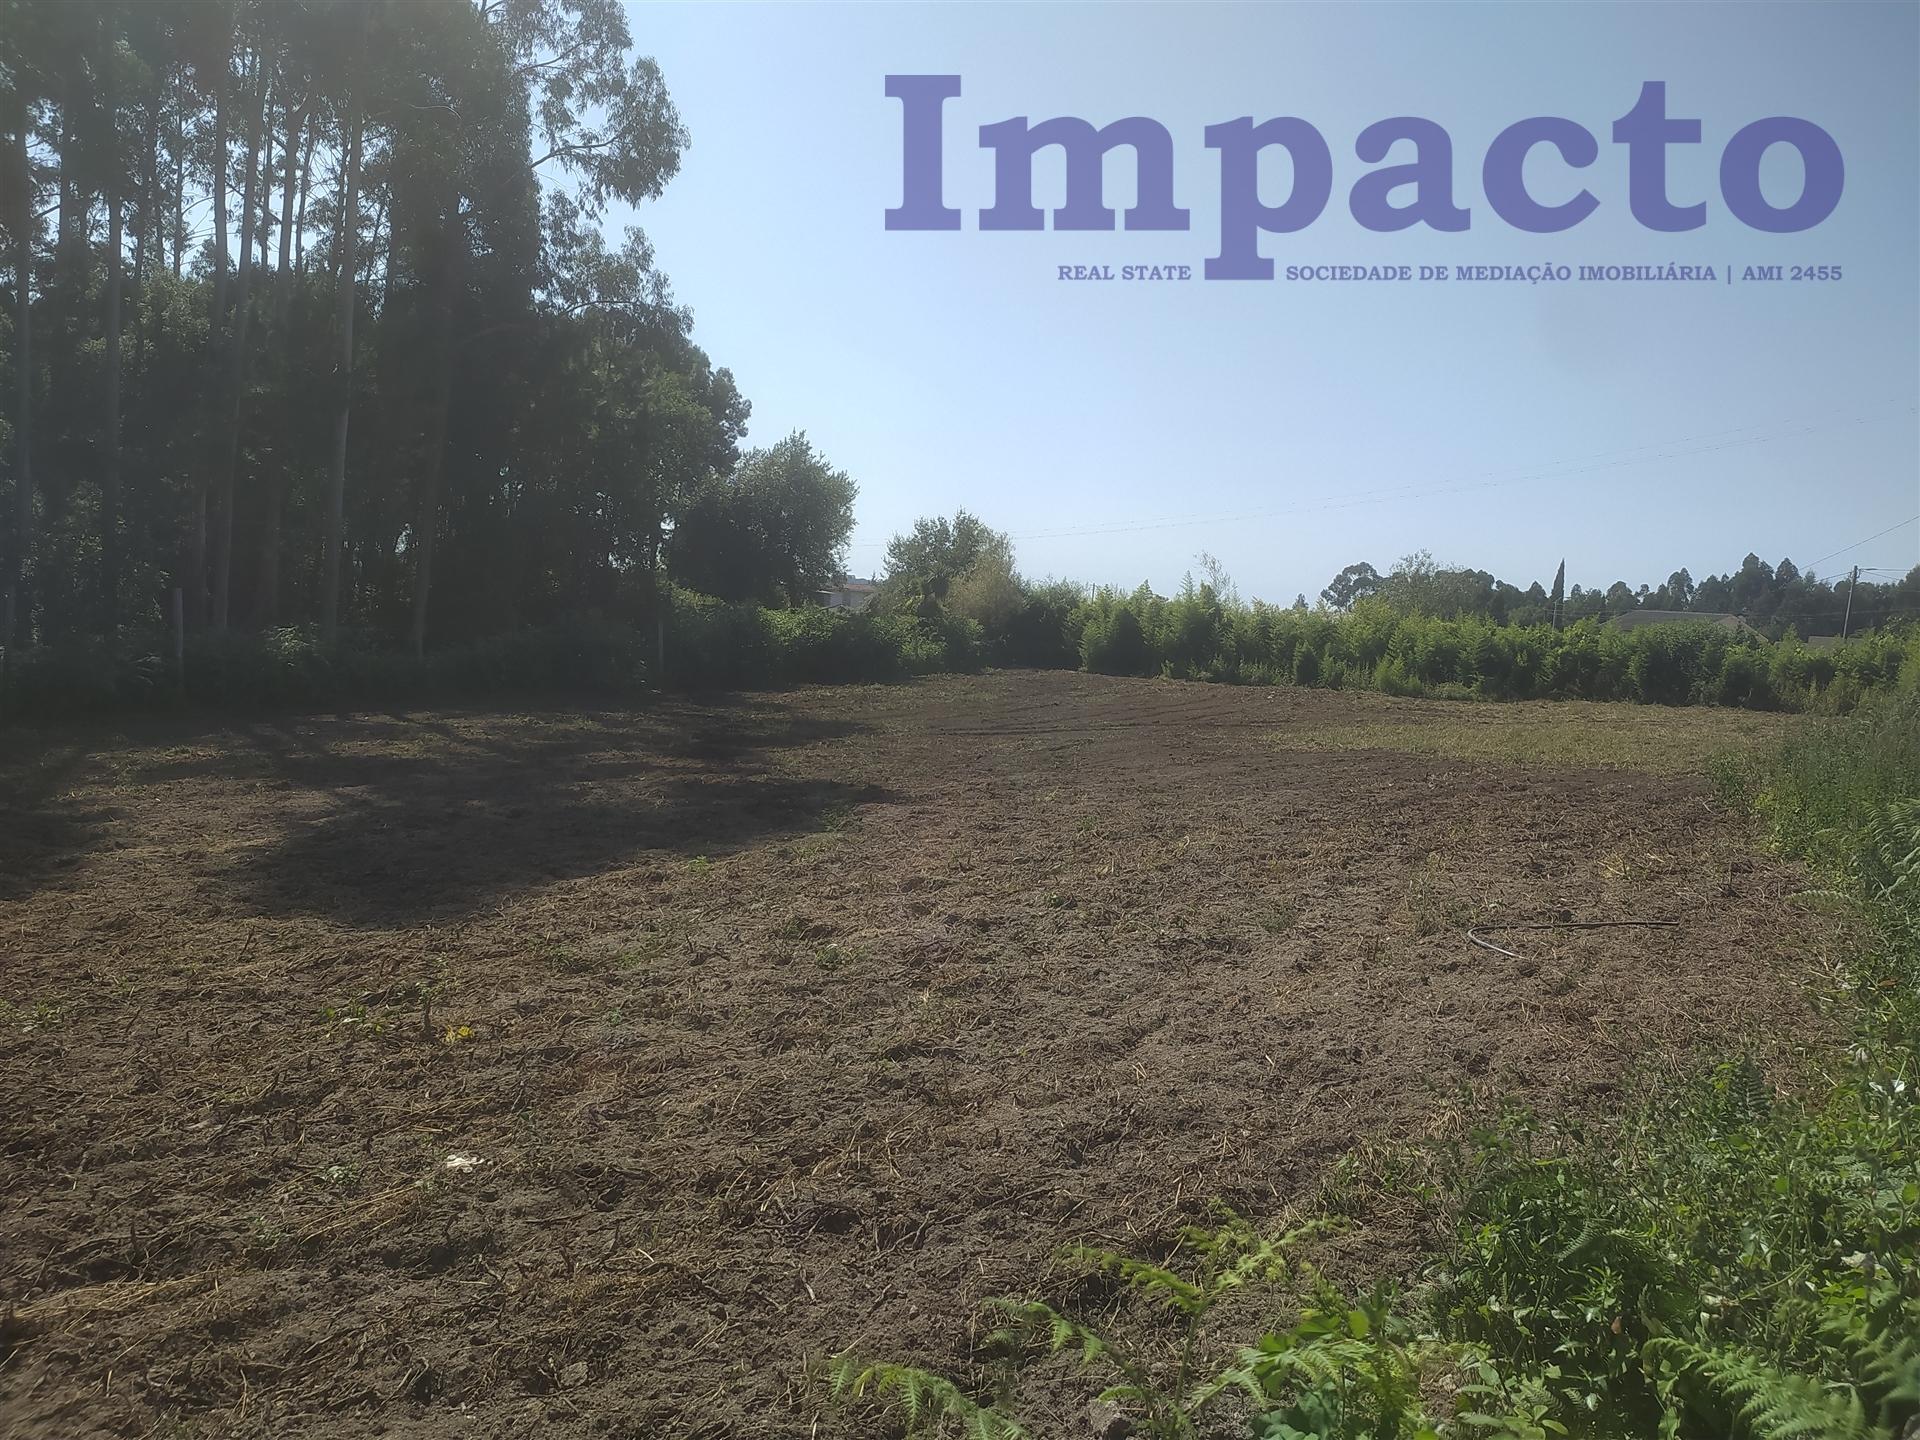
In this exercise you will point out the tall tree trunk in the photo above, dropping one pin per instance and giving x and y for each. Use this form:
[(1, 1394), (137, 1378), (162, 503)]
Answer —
[(344, 305), (179, 186), (197, 558), (266, 604), (237, 360), (300, 219), (22, 539), (53, 581), (115, 186), (219, 184), (267, 597), (427, 521), (384, 226), (110, 470), (145, 236), (283, 278), (266, 181), (266, 584)]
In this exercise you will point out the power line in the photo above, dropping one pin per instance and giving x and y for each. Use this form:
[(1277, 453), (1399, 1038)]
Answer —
[(1868, 541)]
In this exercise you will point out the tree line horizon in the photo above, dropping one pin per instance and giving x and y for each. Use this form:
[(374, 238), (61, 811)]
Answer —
[(964, 559), (308, 316), (1773, 599)]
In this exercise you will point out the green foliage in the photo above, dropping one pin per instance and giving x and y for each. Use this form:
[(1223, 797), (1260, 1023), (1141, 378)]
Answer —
[(521, 411), (1160, 1392), (1735, 1261), (988, 593), (1777, 601), (771, 532), (58, 683), (1356, 582), (1044, 631), (711, 644), (1774, 1404), (1112, 642), (1205, 634), (1829, 779), (939, 553), (1413, 634), (925, 1401), (1341, 1373), (294, 668)]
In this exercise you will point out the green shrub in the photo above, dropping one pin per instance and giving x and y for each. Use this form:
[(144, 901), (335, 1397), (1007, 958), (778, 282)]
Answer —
[(292, 668), (57, 684), (1115, 643), (1198, 635), (1829, 779), (1044, 632), (1306, 666), (711, 644), (1737, 1261)]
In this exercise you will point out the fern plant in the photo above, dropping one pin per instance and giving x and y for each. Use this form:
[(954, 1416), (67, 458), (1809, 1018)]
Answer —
[(1770, 1403), (1341, 1373), (1165, 1400), (929, 1403), (1891, 852)]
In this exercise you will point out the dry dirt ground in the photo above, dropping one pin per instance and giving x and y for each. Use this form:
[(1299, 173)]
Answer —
[(591, 1071)]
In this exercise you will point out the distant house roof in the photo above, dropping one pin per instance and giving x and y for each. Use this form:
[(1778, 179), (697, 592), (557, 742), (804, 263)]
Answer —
[(849, 595), (1821, 642), (1635, 619)]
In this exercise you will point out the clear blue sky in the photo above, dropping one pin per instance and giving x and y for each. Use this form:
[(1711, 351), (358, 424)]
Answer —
[(1289, 429)]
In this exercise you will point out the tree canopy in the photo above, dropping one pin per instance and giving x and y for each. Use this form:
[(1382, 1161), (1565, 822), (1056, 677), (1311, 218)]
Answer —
[(938, 551), (1774, 599), (310, 313), (774, 531)]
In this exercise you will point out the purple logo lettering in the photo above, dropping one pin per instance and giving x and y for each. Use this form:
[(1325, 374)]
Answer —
[(1646, 130), (1014, 142)]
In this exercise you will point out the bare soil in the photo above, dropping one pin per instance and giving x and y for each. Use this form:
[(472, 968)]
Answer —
[(590, 1071)]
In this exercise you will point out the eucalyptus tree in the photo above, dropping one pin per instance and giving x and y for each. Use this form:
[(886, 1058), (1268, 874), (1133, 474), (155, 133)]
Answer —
[(19, 183), (351, 106), (602, 127), (304, 300)]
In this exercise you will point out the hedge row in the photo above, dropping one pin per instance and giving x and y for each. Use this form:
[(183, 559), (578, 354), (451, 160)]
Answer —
[(1194, 635)]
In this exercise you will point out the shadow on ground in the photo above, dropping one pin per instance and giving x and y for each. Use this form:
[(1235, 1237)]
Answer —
[(396, 818), (47, 820), (460, 816)]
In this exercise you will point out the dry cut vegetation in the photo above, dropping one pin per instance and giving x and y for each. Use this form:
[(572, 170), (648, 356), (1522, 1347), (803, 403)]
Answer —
[(602, 1071)]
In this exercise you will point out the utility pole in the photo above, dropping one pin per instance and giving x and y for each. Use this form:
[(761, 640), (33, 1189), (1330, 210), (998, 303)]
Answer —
[(1852, 585)]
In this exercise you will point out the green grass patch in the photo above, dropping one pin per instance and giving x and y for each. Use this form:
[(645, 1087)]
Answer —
[(1573, 735)]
